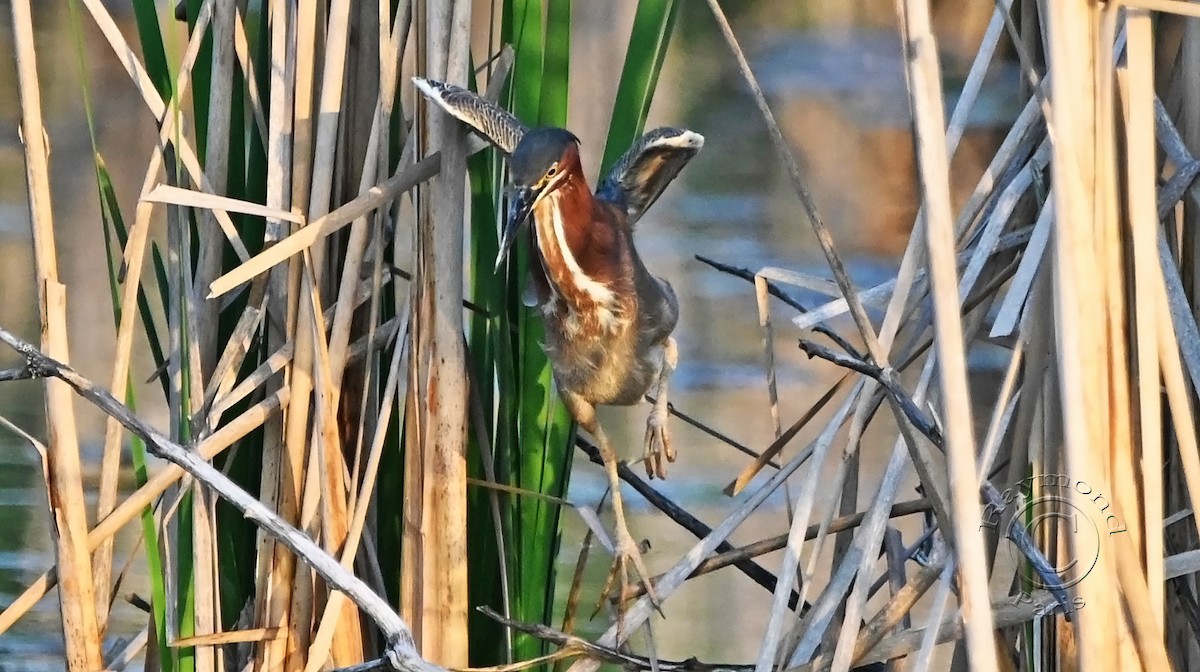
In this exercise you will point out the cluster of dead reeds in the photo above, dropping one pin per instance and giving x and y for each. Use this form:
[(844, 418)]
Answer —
[(344, 414), (1073, 253)]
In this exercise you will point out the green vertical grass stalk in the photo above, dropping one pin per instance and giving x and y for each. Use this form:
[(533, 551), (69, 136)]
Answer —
[(247, 180), (648, 42), (487, 289), (541, 453), (154, 52), (533, 432), (113, 226)]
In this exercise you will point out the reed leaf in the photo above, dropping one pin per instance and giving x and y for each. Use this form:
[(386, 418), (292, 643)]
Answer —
[(648, 41), (116, 237), (533, 434), (487, 289), (154, 53), (114, 226)]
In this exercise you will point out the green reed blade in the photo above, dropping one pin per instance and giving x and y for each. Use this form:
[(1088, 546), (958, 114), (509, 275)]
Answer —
[(154, 52), (652, 27), (113, 224), (542, 453), (154, 566), (556, 61)]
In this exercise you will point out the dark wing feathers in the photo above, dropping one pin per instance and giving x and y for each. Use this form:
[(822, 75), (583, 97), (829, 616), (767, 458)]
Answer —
[(642, 173), (499, 126)]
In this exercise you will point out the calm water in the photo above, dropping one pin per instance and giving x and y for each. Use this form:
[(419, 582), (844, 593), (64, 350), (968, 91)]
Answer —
[(832, 71)]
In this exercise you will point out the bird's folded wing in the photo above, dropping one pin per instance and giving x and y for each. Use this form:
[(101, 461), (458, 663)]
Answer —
[(643, 172), (499, 126)]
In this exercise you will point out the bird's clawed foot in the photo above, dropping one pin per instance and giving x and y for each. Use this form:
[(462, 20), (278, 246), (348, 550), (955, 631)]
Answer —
[(658, 441), (658, 444), (626, 553)]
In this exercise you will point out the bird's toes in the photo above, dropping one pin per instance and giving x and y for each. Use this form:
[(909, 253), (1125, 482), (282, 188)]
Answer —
[(629, 557), (658, 448)]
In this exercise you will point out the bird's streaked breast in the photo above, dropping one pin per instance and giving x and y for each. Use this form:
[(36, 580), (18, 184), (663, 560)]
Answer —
[(586, 297)]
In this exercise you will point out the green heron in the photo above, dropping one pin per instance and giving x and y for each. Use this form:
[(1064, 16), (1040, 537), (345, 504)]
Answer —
[(608, 320)]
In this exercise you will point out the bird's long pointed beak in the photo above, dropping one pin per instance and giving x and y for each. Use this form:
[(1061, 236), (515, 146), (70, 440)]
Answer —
[(520, 203)]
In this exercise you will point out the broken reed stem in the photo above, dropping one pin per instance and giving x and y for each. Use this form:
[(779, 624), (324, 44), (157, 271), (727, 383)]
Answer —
[(1071, 26), (132, 506), (934, 482), (686, 520), (641, 610), (77, 598), (1137, 95), (163, 112), (404, 179), (933, 167), (841, 524), (401, 649), (130, 276)]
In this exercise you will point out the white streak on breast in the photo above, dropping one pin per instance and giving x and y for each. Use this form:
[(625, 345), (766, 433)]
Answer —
[(552, 233)]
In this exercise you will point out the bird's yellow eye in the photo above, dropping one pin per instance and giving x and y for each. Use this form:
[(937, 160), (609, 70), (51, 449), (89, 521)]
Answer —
[(553, 171)]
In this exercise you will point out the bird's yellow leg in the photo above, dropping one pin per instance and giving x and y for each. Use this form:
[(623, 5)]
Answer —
[(658, 440), (625, 551)]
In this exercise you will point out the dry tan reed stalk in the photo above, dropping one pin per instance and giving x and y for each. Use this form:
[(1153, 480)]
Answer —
[(763, 299), (1179, 7), (328, 621), (285, 113), (356, 245), (677, 575), (841, 524), (132, 505), (951, 629), (246, 63), (891, 322), (204, 321), (227, 637), (347, 645), (1137, 95), (216, 170), (279, 359), (824, 607), (401, 652), (924, 461), (796, 538), (132, 260), (439, 364), (342, 641), (767, 456), (925, 84), (907, 258), (309, 343), (1082, 363), (224, 376), (1124, 459), (280, 583), (172, 195), (163, 111), (404, 179), (845, 573), (77, 599), (889, 616), (807, 633)]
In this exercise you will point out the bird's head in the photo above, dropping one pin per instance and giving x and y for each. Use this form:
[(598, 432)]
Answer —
[(541, 163)]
